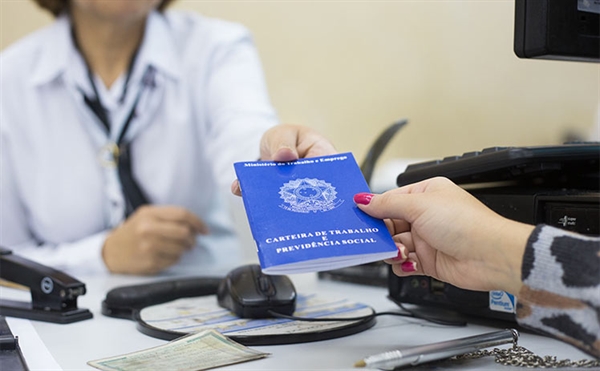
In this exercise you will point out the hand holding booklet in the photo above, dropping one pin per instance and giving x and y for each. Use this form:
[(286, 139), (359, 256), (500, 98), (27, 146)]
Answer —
[(303, 218)]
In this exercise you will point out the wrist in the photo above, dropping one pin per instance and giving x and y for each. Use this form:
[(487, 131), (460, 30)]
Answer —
[(513, 243), (106, 254)]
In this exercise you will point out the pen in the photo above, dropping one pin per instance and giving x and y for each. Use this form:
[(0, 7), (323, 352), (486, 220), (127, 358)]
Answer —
[(432, 352)]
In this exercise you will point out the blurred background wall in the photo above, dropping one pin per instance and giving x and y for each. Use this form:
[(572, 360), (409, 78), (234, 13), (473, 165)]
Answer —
[(350, 68)]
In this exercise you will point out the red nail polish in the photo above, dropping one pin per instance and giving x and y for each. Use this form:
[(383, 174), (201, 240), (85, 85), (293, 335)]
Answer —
[(363, 198), (402, 251), (398, 258), (408, 266)]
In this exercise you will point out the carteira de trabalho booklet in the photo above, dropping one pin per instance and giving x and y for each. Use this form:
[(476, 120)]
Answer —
[(303, 218)]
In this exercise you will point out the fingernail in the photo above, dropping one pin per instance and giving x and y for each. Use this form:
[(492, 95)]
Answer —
[(402, 253), (403, 250), (409, 266), (363, 198), (285, 154)]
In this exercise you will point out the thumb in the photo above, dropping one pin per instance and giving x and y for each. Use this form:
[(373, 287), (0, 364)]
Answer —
[(388, 205), (409, 201), (279, 144)]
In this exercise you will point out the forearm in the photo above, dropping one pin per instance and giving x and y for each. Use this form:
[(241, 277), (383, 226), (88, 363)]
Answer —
[(238, 107)]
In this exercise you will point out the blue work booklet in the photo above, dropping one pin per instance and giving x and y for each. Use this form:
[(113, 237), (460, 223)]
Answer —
[(303, 218)]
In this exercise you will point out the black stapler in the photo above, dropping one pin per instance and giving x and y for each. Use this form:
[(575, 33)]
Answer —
[(53, 293)]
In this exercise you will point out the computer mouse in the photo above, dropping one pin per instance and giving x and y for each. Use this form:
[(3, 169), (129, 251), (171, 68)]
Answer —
[(249, 293)]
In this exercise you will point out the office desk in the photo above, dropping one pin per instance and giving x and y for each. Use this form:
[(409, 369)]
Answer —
[(72, 345)]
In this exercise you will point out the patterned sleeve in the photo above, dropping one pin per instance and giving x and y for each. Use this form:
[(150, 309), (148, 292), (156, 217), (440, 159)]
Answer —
[(561, 287)]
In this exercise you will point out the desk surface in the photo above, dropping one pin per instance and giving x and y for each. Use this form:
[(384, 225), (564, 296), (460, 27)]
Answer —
[(72, 345)]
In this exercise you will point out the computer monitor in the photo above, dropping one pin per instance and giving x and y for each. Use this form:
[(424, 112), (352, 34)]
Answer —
[(558, 29)]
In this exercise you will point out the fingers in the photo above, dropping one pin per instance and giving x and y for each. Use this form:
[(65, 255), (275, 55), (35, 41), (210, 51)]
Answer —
[(313, 144), (401, 257), (284, 153), (155, 255), (284, 143), (406, 240), (180, 215), (235, 188), (173, 235), (391, 204), (407, 268), (172, 229), (290, 142), (152, 239), (405, 263), (409, 202), (396, 226), (279, 144)]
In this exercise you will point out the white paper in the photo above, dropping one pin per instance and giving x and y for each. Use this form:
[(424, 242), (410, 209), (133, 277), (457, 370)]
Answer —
[(36, 355)]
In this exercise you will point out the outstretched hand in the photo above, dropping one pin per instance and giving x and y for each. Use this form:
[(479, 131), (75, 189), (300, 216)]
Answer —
[(287, 142), (444, 232)]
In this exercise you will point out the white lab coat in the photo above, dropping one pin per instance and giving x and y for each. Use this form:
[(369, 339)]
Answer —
[(206, 108)]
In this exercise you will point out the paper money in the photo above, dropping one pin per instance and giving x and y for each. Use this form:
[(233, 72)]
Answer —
[(198, 351)]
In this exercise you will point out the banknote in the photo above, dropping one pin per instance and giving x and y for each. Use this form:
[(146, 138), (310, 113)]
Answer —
[(198, 351)]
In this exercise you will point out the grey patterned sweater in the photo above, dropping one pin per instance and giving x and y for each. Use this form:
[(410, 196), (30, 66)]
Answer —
[(561, 287)]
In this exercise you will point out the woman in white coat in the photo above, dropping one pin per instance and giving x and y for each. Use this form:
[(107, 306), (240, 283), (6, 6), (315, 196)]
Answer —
[(120, 125)]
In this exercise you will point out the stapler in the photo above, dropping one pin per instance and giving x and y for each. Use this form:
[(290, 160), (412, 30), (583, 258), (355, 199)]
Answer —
[(53, 293)]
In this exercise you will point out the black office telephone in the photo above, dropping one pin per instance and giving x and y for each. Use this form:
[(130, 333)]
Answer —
[(555, 184), (569, 165), (541, 184)]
